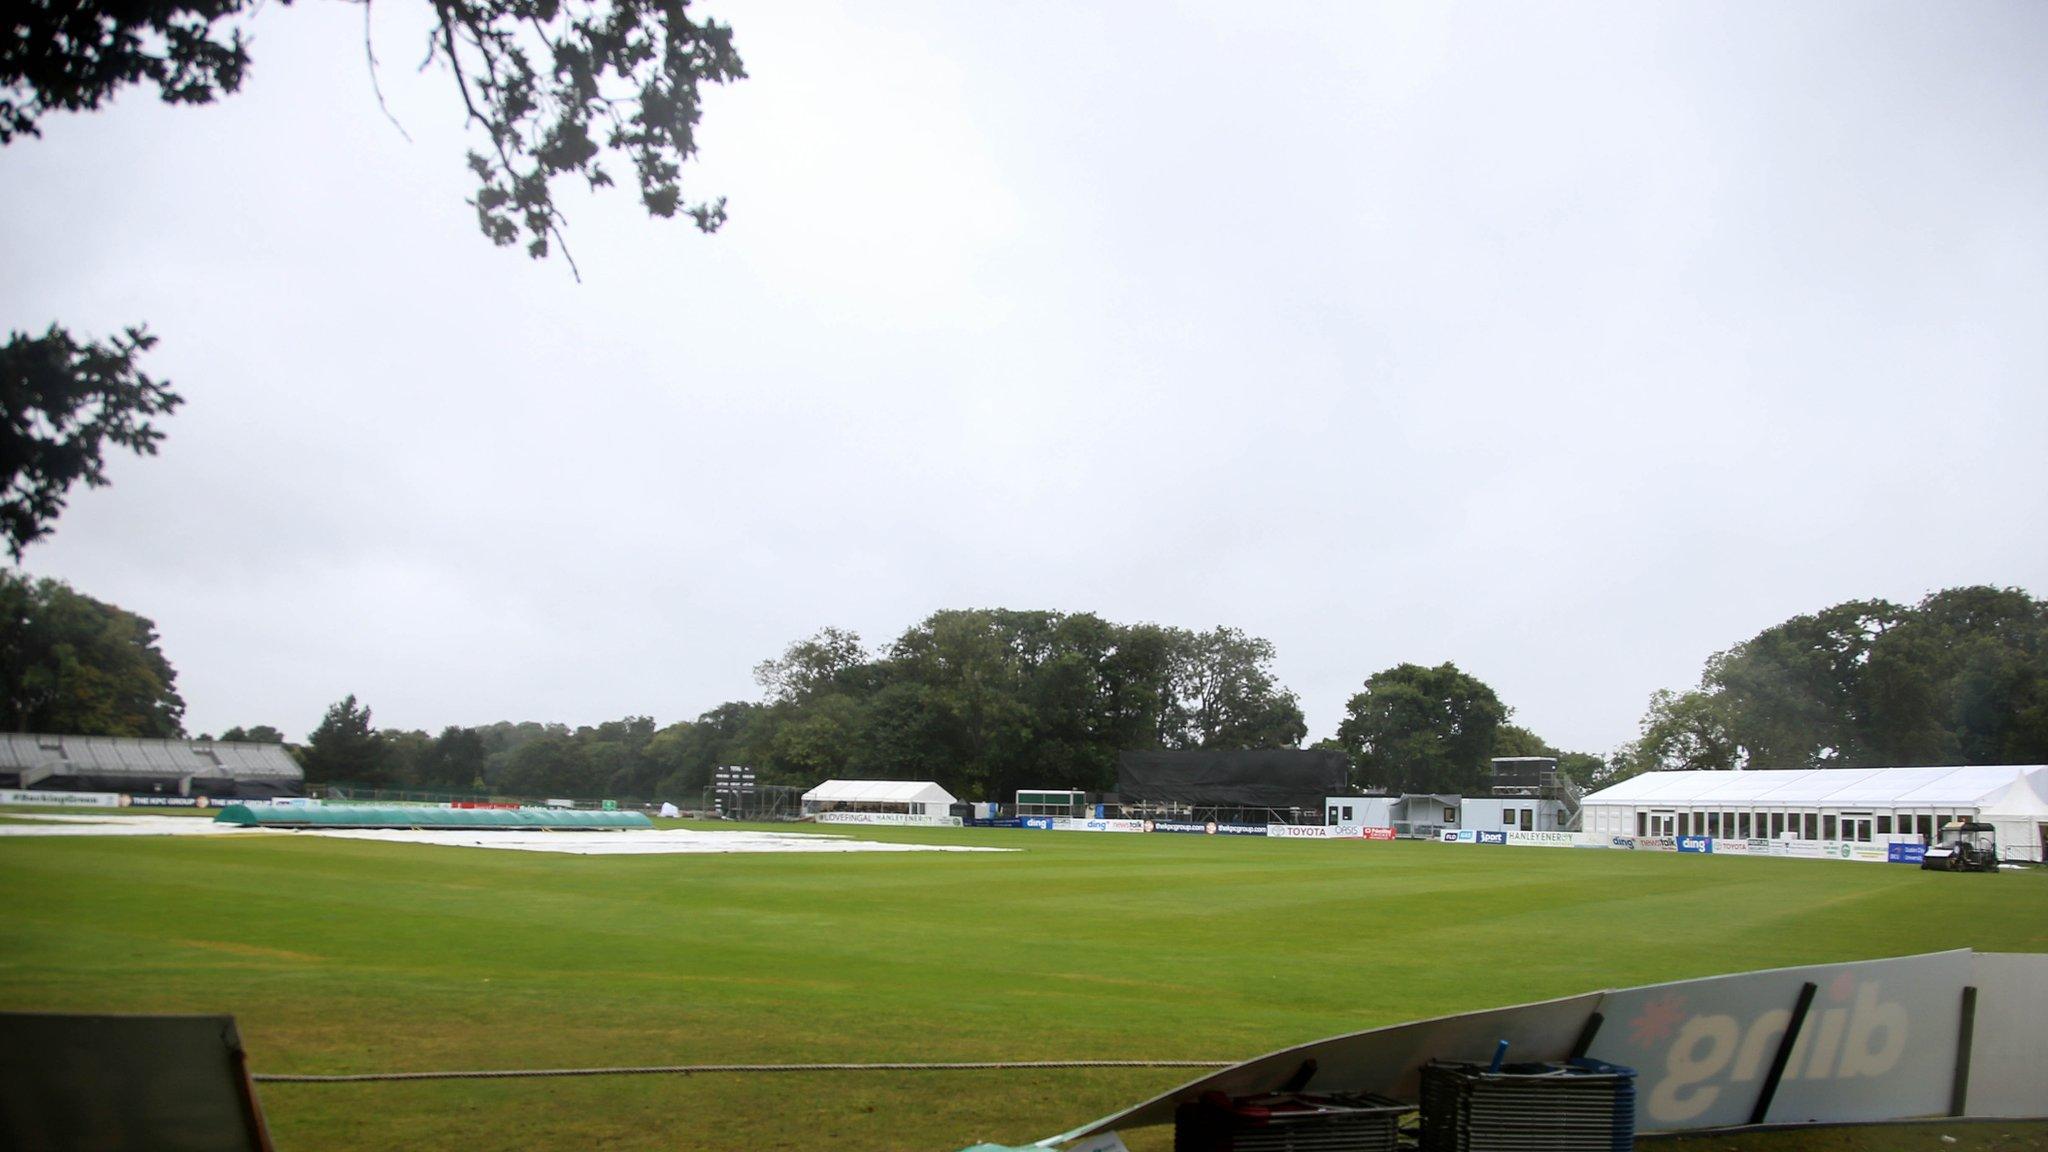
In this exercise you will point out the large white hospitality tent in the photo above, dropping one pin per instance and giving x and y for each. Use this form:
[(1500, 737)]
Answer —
[(908, 797), (1881, 805)]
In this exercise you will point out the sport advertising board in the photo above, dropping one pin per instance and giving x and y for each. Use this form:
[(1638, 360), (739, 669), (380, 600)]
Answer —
[(1906, 853), (1091, 824), (887, 818), (1315, 832), (37, 797), (1204, 828), (1880, 1041), (1376, 833), (1543, 839)]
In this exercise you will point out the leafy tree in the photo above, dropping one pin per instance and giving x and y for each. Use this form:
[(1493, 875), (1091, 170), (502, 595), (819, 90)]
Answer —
[(553, 765), (1226, 696), (407, 756), (62, 403), (73, 665), (554, 88), (810, 666), (1961, 677), (1515, 740), (1683, 732), (684, 755), (457, 760), (1793, 694), (1417, 729), (345, 749), (260, 734), (614, 756)]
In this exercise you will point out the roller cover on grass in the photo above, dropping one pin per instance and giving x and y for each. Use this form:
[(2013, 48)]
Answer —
[(346, 816)]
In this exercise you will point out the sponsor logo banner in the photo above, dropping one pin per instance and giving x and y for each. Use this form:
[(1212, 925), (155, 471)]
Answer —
[(1376, 833), (1458, 836), (1492, 837), (1703, 844), (170, 802), (1726, 845), (1316, 831), (1906, 853), (1800, 849), (886, 818), (1544, 839), (1205, 828), (1878, 1043), (1070, 824), (1627, 843), (61, 799), (1868, 853)]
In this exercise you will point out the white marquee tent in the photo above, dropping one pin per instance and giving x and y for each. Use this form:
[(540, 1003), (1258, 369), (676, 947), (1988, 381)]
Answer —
[(1881, 805), (910, 797)]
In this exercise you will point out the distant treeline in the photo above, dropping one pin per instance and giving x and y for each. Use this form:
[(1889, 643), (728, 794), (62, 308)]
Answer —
[(987, 702), (983, 701)]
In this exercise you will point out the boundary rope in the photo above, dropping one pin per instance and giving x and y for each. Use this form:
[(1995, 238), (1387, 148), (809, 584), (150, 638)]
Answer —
[(692, 1069)]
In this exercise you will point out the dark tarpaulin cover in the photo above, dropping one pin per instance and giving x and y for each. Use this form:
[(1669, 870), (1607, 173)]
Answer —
[(1266, 778)]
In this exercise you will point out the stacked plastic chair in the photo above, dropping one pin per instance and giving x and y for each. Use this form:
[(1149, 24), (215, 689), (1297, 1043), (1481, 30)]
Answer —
[(1574, 1106), (1289, 1122)]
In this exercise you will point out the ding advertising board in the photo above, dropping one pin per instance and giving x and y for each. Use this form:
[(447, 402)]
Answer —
[(1093, 824)]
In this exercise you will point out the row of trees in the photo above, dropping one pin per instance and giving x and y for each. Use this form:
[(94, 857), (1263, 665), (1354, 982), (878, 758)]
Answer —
[(1959, 678), (988, 701), (983, 701)]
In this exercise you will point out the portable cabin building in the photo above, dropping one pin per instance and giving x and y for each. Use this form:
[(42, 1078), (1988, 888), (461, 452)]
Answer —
[(1420, 814), (1868, 805)]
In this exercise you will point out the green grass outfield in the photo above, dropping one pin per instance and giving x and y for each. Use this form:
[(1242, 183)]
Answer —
[(340, 956)]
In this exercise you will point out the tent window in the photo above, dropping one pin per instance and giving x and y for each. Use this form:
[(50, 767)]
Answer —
[(1884, 825), (1642, 823), (1742, 825), (1812, 826), (1827, 827)]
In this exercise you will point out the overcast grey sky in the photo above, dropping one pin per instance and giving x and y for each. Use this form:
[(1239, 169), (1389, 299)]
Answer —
[(1570, 343)]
